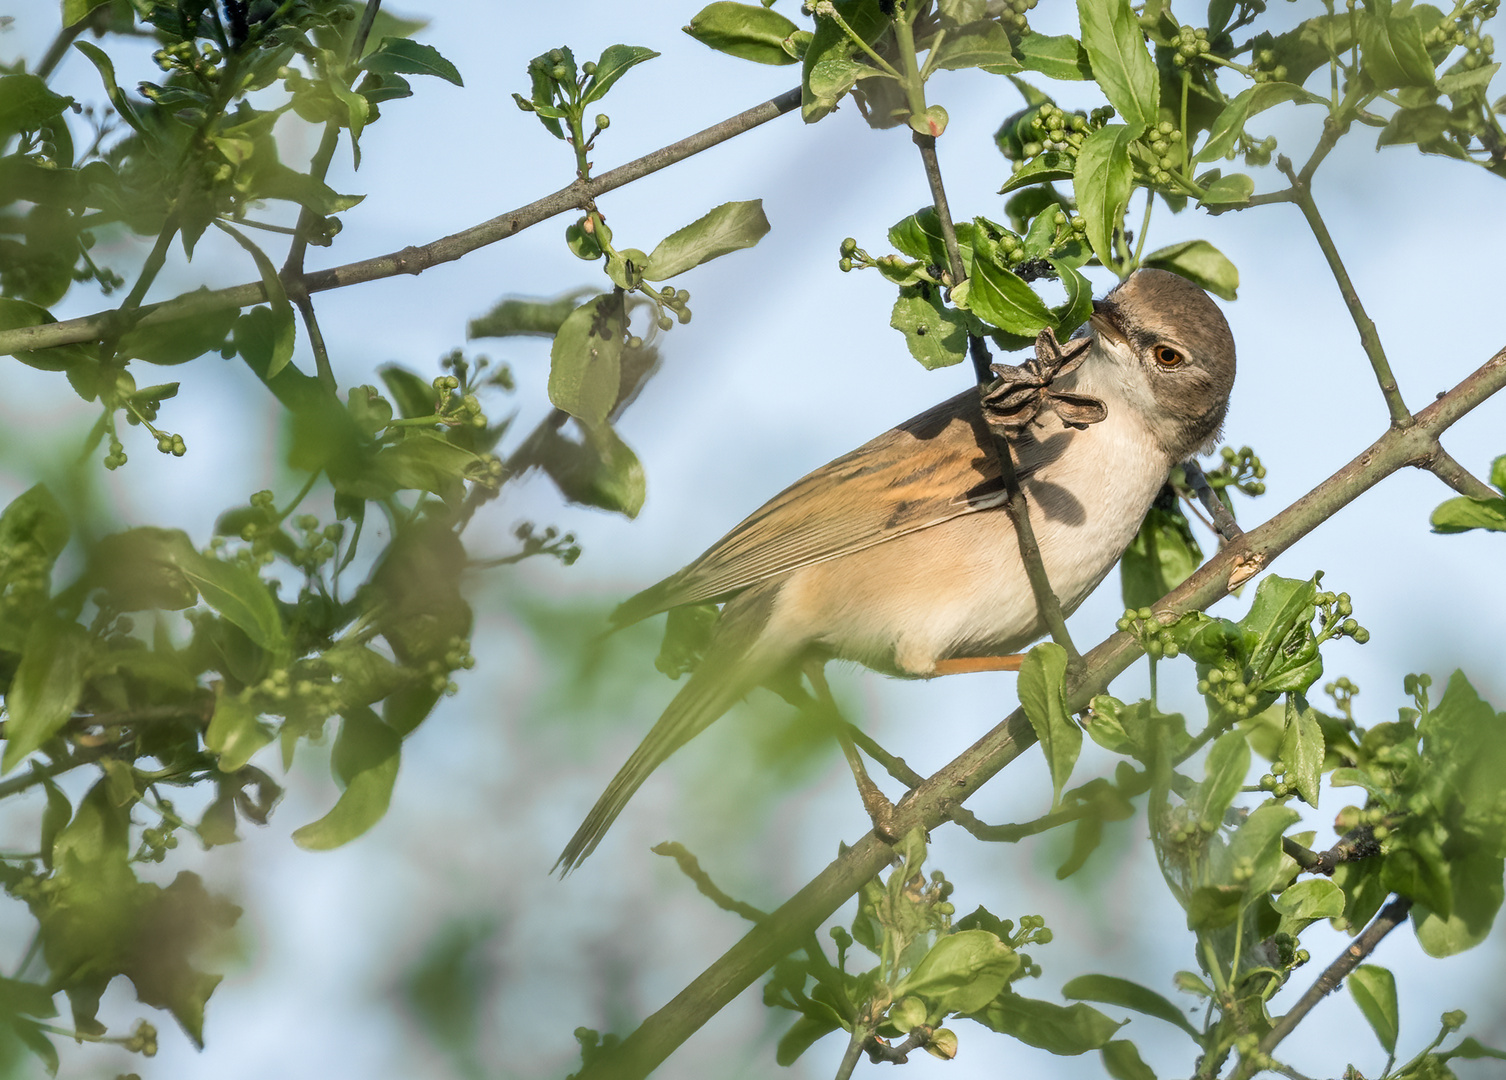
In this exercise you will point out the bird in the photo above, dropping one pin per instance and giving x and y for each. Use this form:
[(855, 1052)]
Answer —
[(901, 556)]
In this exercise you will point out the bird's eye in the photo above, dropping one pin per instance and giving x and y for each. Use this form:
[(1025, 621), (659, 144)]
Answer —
[(1167, 357)]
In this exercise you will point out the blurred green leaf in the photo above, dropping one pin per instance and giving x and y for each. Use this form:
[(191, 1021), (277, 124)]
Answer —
[(1228, 765), (525, 316), (15, 314), (1122, 1061), (1163, 554), (962, 972), (726, 228), (1392, 52), (1109, 990), (187, 337), (365, 761), (46, 687), (602, 471), (747, 31), (585, 361), (284, 328), (237, 593), (1066, 1030), (26, 104), (802, 1035), (1232, 190), (235, 732), (1230, 123)]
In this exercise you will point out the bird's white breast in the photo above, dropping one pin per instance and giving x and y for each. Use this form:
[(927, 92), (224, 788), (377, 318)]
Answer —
[(959, 588)]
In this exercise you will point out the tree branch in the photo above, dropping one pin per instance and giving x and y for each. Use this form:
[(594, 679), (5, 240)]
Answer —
[(412, 260), (927, 807), (1458, 477)]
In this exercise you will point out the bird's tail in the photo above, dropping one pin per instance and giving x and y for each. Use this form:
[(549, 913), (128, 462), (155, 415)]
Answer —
[(734, 663)]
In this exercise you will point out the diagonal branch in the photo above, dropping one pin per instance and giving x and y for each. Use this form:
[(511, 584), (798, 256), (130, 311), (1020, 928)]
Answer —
[(926, 807), (411, 260)]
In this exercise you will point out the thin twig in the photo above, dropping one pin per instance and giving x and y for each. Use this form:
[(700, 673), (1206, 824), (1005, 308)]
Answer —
[(787, 928), (412, 260), (690, 866), (894, 766), (1302, 196), (1223, 521), (1391, 916), (59, 48), (1357, 843)]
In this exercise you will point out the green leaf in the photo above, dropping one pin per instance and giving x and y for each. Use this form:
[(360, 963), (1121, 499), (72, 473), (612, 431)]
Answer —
[(284, 329), (46, 687), (962, 972), (982, 44), (1213, 906), (1463, 513), (26, 104), (1122, 65), (1044, 168), (1044, 700), (413, 394), (829, 69), (1256, 845), (402, 56), (615, 62), (365, 761), (237, 593), (1471, 1049), (1200, 263), (1312, 898), (1228, 765), (1374, 991), (1102, 183), (179, 340), (277, 181), (1303, 748), (1226, 129), (16, 314), (235, 731), (1060, 57), (1281, 606), (747, 31), (106, 67), (75, 11), (1123, 1062), (35, 519), (1232, 190), (1163, 555), (585, 363), (919, 236), (726, 228), (1420, 125), (1066, 1030), (602, 472), (1109, 990), (802, 1035), (1392, 52), (1001, 296), (525, 316), (935, 334)]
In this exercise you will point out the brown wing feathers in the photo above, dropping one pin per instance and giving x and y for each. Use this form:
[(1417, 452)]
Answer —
[(948, 469)]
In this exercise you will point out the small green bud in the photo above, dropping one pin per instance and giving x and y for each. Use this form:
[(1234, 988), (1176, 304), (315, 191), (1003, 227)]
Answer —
[(603, 121)]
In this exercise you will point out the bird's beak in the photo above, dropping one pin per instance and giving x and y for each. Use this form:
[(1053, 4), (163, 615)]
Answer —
[(1105, 321)]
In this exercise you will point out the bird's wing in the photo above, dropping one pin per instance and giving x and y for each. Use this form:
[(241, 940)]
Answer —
[(930, 469)]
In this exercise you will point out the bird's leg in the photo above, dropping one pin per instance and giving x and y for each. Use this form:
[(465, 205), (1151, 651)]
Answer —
[(962, 665), (880, 809)]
